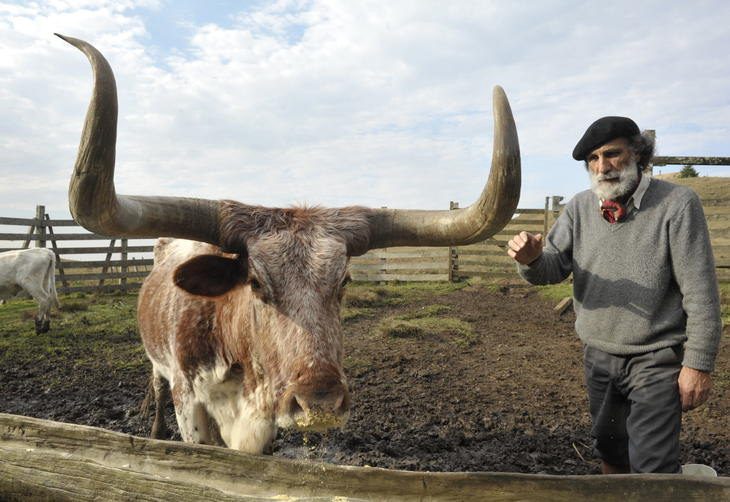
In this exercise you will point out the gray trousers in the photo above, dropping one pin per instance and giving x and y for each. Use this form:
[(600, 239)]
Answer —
[(635, 407)]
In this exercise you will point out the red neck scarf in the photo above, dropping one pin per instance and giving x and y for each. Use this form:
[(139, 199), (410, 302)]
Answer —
[(613, 211)]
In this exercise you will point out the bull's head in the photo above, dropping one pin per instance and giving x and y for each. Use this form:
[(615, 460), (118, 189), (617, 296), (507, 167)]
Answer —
[(306, 290)]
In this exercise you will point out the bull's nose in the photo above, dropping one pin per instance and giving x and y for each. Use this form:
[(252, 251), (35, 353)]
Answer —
[(318, 407), (332, 400)]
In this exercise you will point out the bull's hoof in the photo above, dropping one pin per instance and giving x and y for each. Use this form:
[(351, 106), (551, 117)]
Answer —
[(160, 431)]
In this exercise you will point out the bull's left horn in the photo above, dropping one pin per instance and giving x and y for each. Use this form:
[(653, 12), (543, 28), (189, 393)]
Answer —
[(487, 216)]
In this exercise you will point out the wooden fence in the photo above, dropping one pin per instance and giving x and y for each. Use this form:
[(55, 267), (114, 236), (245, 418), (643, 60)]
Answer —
[(121, 265), (117, 270), (44, 460), (487, 259)]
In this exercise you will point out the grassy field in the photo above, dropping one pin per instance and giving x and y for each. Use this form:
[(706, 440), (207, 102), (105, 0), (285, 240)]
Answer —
[(100, 321), (102, 324), (97, 321), (713, 190)]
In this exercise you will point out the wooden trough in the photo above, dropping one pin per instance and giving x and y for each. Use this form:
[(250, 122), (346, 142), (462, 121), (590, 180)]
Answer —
[(44, 460)]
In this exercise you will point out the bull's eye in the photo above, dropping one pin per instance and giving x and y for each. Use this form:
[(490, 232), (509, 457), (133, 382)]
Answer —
[(255, 285), (345, 282)]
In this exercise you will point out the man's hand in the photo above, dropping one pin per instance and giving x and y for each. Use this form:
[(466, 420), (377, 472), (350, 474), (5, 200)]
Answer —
[(694, 387), (525, 248)]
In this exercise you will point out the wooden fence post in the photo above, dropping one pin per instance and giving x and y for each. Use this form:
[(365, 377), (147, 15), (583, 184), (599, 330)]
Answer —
[(453, 252), (123, 280), (651, 133), (31, 231), (40, 213), (383, 261), (556, 207), (546, 215), (64, 282), (107, 259)]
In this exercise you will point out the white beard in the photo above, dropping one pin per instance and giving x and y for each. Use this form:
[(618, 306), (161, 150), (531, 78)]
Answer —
[(628, 180)]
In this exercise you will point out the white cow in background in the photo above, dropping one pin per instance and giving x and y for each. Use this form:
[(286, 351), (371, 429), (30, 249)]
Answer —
[(32, 270)]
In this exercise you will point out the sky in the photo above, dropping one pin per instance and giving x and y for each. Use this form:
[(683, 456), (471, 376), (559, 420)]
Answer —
[(341, 102)]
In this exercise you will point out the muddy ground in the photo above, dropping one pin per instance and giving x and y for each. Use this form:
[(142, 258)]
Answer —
[(511, 399)]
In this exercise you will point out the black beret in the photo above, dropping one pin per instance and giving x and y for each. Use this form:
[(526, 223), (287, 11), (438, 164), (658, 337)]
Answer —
[(602, 131)]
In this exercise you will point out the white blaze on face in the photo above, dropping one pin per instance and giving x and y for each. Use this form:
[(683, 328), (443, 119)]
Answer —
[(615, 183)]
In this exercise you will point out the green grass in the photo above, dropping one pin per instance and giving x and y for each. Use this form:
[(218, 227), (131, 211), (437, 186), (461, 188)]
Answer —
[(402, 292), (555, 292), (88, 329), (428, 322), (362, 300)]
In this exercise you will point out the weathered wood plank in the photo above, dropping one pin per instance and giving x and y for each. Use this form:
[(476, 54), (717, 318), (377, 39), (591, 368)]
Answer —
[(28, 222), (63, 223), (407, 252), (40, 458), (404, 268), (105, 275), (71, 265), (694, 161), (400, 277), (474, 253), (107, 288), (58, 237), (529, 211), (101, 250)]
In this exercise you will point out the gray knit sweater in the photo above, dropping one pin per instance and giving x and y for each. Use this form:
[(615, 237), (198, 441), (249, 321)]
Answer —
[(643, 284)]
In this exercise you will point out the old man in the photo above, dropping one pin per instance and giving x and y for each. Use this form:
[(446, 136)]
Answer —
[(645, 296)]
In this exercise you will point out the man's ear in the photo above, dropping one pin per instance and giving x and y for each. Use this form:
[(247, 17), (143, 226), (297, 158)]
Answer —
[(210, 275)]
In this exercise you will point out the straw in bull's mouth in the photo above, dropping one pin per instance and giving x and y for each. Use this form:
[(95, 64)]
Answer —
[(318, 421)]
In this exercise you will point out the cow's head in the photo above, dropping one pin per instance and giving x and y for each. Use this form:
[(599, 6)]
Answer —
[(283, 288), (295, 274)]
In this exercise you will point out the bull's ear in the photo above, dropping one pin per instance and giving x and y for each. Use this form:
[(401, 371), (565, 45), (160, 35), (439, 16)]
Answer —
[(210, 275)]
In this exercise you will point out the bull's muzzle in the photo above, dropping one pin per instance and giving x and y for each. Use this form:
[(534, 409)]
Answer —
[(317, 403)]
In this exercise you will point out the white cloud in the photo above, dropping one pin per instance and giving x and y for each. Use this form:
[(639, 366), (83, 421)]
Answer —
[(339, 102)]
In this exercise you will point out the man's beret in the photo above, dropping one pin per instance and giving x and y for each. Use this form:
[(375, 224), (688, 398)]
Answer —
[(602, 131)]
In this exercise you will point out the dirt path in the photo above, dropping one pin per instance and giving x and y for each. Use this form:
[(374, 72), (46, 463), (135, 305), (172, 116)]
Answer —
[(511, 400)]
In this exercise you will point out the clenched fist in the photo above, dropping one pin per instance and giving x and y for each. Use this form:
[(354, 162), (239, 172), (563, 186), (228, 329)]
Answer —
[(525, 247)]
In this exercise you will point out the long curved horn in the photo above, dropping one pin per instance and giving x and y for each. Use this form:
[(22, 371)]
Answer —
[(93, 201), (487, 216)]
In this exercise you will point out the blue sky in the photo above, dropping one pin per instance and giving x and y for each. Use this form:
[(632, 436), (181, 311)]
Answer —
[(336, 102)]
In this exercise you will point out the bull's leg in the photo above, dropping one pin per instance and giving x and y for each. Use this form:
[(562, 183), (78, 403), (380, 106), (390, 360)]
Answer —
[(161, 389), (192, 417)]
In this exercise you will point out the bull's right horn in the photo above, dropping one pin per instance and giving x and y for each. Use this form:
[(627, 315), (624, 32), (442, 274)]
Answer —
[(93, 201)]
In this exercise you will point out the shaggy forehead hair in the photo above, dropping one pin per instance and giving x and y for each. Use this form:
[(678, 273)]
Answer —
[(240, 222)]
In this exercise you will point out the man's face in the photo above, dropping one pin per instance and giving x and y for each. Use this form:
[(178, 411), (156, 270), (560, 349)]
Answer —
[(612, 168)]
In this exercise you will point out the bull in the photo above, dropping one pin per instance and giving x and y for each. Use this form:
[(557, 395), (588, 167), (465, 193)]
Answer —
[(32, 271), (240, 313)]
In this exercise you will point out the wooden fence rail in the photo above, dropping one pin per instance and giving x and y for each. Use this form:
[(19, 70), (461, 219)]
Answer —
[(44, 460)]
